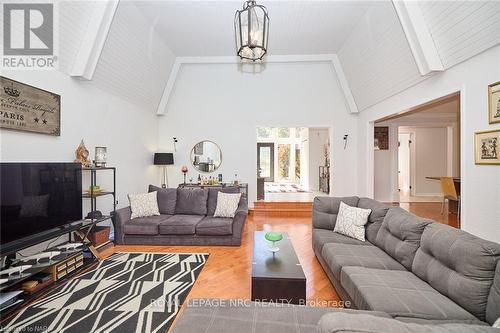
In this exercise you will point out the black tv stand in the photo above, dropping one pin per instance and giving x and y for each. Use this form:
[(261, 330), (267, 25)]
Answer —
[(16, 246), (16, 280)]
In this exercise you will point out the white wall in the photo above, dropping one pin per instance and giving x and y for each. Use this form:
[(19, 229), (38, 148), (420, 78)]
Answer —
[(318, 137), (386, 169), (101, 119), (480, 183), (219, 103)]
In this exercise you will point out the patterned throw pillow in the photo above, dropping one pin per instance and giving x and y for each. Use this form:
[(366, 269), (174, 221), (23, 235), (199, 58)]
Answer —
[(227, 203), (351, 221), (143, 205)]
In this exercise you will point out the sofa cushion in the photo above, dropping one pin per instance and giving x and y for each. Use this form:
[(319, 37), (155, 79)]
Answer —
[(212, 197), (338, 256), (180, 225), (321, 237), (367, 323), (143, 205), (458, 265), (325, 210), (191, 201), (215, 226), (379, 210), (167, 197), (399, 293), (351, 221), (144, 225), (399, 235)]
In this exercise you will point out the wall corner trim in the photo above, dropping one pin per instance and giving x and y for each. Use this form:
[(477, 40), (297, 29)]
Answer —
[(418, 36), (332, 58), (92, 44)]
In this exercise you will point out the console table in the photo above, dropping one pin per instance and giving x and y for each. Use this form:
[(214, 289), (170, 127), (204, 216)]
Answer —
[(243, 187)]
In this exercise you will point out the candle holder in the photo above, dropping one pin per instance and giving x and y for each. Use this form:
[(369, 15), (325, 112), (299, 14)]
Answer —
[(274, 237), (184, 170)]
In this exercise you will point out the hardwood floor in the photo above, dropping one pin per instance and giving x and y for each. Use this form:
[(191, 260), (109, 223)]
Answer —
[(227, 273)]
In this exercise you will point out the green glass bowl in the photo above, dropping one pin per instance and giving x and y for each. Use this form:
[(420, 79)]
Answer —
[(273, 236)]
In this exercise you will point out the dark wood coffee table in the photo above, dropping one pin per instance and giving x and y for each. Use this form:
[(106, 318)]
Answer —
[(277, 277)]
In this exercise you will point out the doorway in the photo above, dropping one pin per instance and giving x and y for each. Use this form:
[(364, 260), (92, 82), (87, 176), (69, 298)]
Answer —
[(265, 161), (404, 158), (292, 162)]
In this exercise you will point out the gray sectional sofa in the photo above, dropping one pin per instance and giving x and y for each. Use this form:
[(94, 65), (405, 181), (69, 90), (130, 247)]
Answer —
[(187, 218), (411, 268), (410, 275)]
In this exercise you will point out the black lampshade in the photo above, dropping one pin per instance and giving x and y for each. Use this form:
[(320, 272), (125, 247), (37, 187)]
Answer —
[(164, 159)]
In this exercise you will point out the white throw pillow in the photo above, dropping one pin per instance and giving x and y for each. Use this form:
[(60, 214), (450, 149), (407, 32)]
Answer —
[(351, 221), (143, 205), (227, 203), (496, 324)]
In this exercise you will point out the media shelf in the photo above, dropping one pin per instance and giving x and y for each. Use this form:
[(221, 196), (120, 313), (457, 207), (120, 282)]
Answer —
[(27, 298), (36, 268)]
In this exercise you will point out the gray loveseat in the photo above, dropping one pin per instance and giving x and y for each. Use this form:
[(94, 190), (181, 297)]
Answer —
[(187, 218)]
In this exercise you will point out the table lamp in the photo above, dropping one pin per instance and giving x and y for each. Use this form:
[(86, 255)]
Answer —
[(164, 159)]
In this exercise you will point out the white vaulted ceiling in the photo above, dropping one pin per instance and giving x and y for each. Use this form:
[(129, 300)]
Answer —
[(205, 28), (146, 37)]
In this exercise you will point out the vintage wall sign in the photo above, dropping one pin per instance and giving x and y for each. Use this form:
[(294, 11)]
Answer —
[(26, 108)]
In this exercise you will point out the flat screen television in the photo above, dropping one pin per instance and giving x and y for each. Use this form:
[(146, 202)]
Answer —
[(38, 197)]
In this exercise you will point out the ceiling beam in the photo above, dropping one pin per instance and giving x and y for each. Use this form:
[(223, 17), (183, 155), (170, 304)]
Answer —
[(93, 42), (332, 58), (419, 37)]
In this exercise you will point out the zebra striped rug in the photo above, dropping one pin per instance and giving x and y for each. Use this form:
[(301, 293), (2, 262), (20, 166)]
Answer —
[(127, 292)]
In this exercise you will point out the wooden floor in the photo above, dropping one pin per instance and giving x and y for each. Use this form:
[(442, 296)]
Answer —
[(227, 273)]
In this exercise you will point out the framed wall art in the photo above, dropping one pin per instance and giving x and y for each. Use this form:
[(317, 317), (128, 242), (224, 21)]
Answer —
[(381, 138), (494, 102), (486, 147), (27, 108)]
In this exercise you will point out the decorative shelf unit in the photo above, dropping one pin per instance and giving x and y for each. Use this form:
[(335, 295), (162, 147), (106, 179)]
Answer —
[(92, 196)]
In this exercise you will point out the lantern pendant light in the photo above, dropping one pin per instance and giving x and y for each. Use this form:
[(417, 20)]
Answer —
[(251, 25)]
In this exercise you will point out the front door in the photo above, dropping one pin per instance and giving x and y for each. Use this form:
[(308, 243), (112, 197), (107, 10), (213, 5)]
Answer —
[(265, 161)]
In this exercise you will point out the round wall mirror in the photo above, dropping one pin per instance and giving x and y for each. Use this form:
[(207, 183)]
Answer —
[(206, 156)]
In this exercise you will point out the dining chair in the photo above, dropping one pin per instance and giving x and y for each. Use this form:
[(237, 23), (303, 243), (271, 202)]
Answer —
[(450, 193)]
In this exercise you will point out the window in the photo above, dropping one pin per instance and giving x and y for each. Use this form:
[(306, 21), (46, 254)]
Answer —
[(297, 162), (283, 132), (264, 132), (284, 161)]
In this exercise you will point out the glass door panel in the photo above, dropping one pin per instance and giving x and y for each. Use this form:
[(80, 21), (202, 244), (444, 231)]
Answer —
[(265, 161)]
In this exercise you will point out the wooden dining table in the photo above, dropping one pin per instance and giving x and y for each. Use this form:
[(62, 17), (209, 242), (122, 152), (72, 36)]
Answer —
[(452, 204)]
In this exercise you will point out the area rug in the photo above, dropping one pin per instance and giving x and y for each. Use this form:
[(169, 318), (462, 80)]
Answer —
[(127, 292), (284, 188)]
